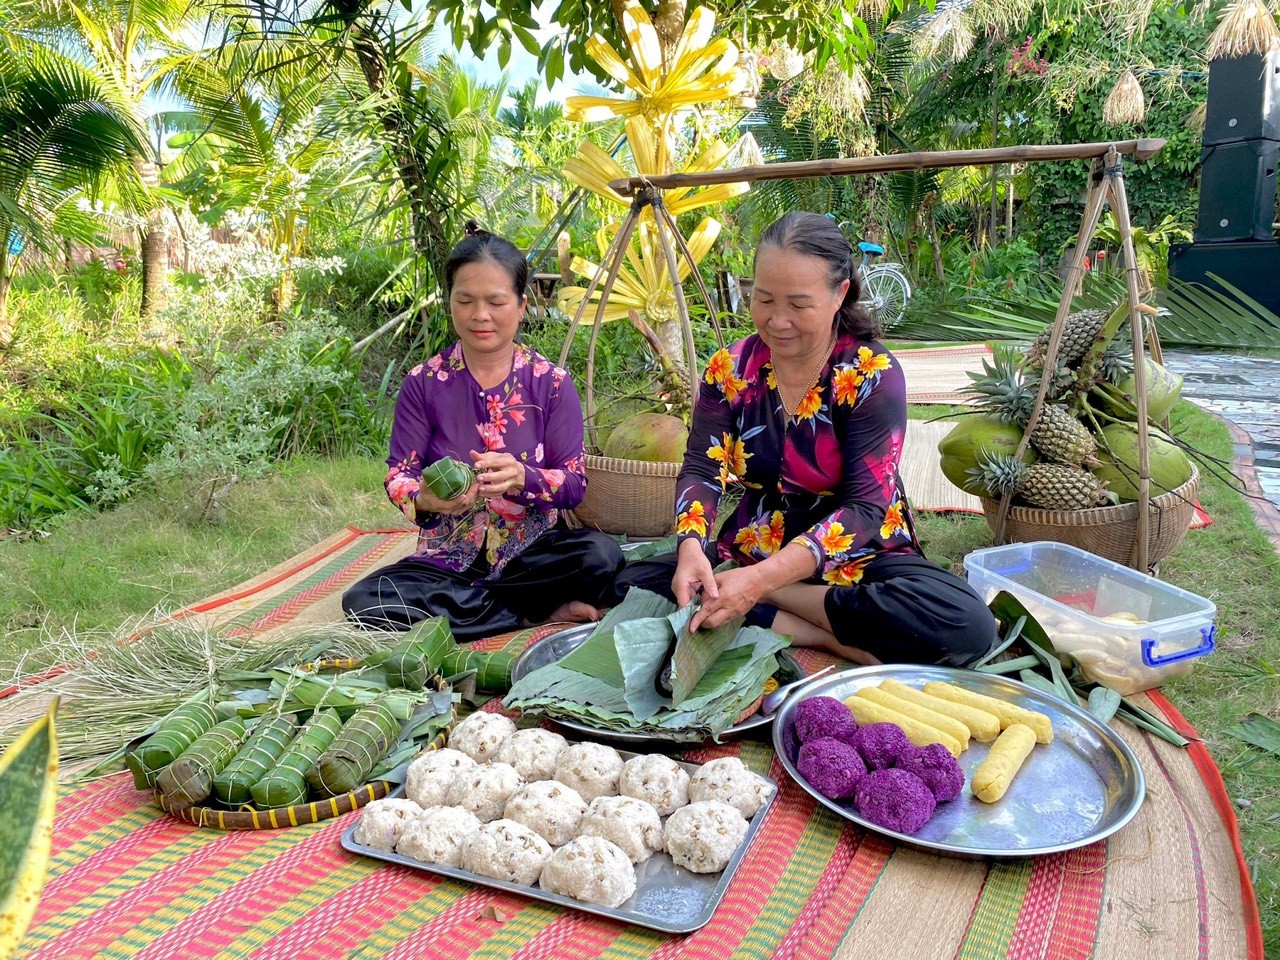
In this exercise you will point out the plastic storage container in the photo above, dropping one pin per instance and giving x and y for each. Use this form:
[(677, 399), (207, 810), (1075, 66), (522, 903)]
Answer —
[(1129, 631)]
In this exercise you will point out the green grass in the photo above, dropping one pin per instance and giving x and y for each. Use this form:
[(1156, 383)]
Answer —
[(97, 571), (1233, 564)]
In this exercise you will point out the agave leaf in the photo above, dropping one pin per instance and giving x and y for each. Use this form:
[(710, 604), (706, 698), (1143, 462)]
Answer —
[(28, 794)]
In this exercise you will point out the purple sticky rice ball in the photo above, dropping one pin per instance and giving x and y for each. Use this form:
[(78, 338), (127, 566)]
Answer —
[(818, 717), (831, 767), (894, 799), (939, 770), (880, 744)]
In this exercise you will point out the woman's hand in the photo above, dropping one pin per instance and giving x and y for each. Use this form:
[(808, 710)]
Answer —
[(737, 591), (498, 474), (693, 573), (427, 502)]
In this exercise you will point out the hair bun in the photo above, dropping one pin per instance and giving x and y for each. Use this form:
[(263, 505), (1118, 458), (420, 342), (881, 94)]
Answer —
[(473, 229)]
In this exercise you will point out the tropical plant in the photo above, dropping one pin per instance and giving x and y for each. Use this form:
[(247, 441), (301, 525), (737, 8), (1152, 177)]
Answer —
[(124, 44), (1150, 245), (62, 132)]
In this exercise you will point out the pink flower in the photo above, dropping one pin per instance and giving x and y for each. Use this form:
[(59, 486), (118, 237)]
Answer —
[(539, 455), (541, 367), (492, 436), (554, 478)]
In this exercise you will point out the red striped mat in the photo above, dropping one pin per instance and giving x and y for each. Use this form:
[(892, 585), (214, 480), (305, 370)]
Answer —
[(125, 881)]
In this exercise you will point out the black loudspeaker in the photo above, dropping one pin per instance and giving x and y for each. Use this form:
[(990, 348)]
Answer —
[(1244, 99), (1252, 266), (1237, 191)]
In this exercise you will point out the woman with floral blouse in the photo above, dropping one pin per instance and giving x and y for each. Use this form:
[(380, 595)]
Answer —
[(496, 557), (806, 418)]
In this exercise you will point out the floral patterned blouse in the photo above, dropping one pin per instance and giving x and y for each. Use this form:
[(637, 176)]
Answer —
[(534, 414), (827, 477)]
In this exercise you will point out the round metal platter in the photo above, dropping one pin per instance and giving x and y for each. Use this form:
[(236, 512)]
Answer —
[(557, 646), (1083, 786)]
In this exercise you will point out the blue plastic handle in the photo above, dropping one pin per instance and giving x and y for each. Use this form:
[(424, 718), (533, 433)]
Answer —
[(1206, 646)]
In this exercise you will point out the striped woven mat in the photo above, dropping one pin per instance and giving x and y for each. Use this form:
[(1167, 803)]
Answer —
[(127, 882)]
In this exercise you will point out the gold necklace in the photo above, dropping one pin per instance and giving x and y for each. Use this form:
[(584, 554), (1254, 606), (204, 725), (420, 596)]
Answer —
[(791, 409)]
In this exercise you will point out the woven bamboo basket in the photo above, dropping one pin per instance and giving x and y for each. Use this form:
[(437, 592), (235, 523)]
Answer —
[(632, 497), (1110, 532)]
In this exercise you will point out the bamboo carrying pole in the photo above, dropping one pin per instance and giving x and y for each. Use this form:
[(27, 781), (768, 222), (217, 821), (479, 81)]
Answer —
[(1106, 186), (923, 160)]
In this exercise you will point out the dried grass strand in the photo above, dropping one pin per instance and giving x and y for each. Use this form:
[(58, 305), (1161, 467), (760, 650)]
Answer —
[(1126, 103), (1247, 28)]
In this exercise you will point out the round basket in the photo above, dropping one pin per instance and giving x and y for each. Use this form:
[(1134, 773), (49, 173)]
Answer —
[(633, 497), (1110, 532)]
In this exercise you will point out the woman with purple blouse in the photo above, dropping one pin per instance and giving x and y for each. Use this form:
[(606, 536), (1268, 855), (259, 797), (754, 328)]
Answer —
[(498, 556), (807, 417)]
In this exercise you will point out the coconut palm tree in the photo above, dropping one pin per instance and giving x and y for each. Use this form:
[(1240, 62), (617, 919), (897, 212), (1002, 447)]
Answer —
[(124, 44), (62, 132)]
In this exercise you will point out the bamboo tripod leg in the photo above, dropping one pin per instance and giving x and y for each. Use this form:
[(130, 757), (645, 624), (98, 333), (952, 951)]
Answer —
[(1098, 190), (682, 308), (623, 243), (610, 256), (666, 217), (1120, 207)]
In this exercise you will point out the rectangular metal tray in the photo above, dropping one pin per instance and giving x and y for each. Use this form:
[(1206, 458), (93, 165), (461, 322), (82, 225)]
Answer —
[(668, 897)]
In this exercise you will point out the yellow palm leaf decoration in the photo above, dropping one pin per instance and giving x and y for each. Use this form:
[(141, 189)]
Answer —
[(702, 71), (592, 169), (642, 283)]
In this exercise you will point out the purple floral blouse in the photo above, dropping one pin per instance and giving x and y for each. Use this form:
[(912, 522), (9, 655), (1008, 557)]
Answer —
[(534, 415), (827, 477)]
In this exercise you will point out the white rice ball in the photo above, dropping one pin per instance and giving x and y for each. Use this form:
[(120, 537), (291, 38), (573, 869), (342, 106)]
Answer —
[(657, 780), (533, 753), (729, 780), (481, 735), (506, 850), (429, 777), (590, 869), (634, 825), (437, 835), (551, 808), (382, 822), (590, 768), (703, 836), (485, 789)]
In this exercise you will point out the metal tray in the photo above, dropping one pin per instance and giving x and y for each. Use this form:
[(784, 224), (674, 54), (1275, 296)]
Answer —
[(668, 897), (557, 646), (1084, 786)]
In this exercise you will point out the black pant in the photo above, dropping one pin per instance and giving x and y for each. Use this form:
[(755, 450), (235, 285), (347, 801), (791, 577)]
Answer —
[(559, 567), (903, 610)]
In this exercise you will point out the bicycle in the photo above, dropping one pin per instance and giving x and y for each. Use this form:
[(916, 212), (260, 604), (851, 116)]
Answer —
[(885, 287)]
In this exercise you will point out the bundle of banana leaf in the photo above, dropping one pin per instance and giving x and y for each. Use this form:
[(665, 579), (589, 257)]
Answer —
[(612, 681), (1059, 674)]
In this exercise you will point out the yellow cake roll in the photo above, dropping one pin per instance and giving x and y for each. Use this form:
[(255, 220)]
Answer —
[(1008, 713), (948, 725), (921, 734), (983, 725), (994, 775)]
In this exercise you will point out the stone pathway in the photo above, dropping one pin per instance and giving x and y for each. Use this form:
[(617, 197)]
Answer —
[(1245, 391)]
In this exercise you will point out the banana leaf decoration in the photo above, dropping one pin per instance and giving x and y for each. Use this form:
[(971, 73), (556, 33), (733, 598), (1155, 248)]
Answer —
[(28, 794), (176, 733)]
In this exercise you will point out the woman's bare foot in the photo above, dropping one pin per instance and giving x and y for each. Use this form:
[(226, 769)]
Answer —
[(575, 611), (805, 634)]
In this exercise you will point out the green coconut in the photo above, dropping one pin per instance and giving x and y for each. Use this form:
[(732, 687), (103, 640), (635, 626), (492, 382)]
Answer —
[(651, 437), (1118, 461), (1163, 388), (975, 439)]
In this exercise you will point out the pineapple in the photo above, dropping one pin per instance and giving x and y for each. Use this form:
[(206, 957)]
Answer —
[(1002, 389), (1059, 487), (1117, 360), (1079, 330), (1054, 486), (1062, 438), (1005, 391)]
